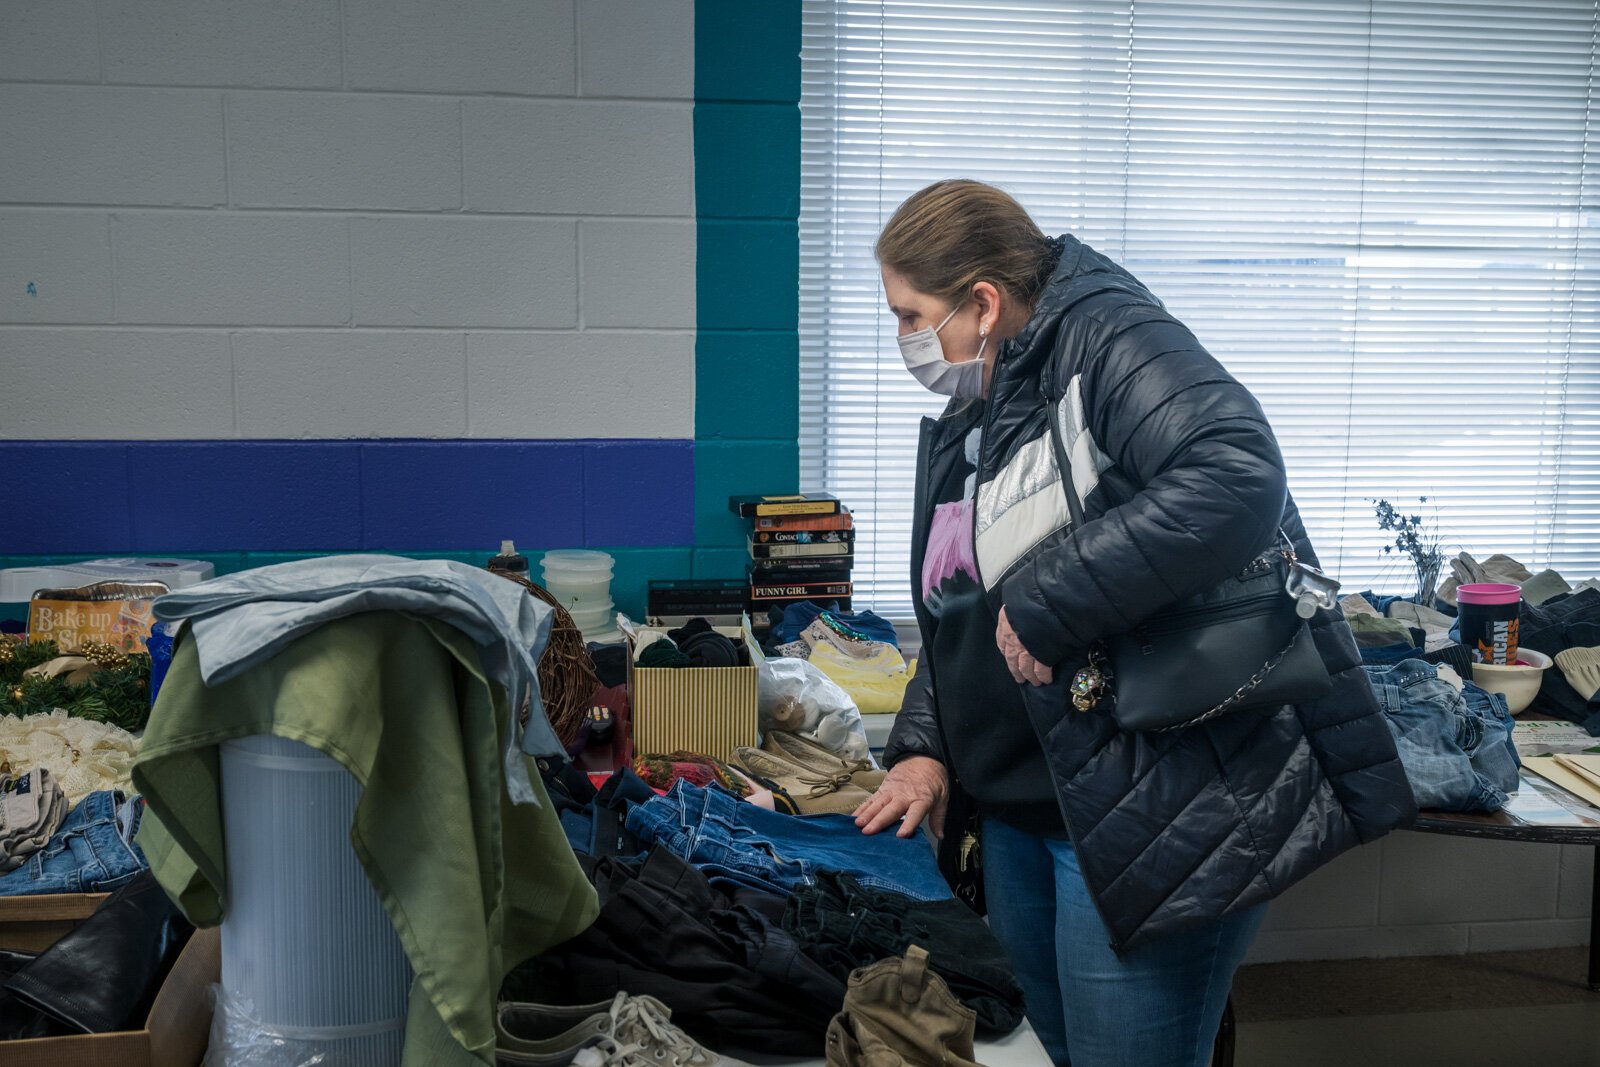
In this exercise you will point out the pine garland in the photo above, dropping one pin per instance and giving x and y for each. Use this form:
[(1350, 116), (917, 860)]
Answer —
[(118, 694)]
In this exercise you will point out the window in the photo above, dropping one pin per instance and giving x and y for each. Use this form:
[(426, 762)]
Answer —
[(1379, 215)]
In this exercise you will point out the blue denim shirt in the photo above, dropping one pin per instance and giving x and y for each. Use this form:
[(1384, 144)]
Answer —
[(1456, 747)]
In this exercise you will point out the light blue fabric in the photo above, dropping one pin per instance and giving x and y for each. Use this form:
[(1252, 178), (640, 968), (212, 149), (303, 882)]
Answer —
[(242, 619), (1455, 746), (1159, 1005)]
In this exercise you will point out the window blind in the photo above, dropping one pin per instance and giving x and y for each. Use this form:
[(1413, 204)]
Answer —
[(1380, 216)]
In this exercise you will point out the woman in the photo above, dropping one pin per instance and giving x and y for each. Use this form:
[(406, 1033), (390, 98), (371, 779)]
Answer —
[(1126, 874)]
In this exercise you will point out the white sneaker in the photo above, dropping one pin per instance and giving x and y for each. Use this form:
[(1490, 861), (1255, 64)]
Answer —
[(628, 1031)]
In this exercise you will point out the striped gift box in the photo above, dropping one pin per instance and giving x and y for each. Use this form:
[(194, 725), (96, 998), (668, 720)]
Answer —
[(710, 710)]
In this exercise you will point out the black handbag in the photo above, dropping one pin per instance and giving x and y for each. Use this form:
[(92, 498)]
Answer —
[(1243, 644)]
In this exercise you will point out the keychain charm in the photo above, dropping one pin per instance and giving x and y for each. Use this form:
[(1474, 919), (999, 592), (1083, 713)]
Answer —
[(1088, 685), (1310, 589)]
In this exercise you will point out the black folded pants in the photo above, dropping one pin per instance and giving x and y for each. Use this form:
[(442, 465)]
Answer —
[(721, 962), (845, 925)]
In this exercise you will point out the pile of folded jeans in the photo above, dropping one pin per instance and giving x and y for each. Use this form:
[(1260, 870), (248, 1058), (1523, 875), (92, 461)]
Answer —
[(91, 851)]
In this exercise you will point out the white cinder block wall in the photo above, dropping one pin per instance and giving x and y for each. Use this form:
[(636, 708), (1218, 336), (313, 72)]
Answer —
[(1414, 894), (347, 218)]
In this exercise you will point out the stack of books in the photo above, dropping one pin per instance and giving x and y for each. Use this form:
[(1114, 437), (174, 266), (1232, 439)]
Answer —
[(802, 547)]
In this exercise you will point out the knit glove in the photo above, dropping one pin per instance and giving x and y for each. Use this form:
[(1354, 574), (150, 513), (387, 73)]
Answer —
[(1581, 667), (663, 652), (1467, 570), (1464, 570)]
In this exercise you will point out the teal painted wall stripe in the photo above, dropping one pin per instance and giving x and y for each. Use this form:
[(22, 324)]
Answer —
[(747, 207), (747, 51)]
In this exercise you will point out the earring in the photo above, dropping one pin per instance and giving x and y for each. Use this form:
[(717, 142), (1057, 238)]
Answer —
[(983, 331)]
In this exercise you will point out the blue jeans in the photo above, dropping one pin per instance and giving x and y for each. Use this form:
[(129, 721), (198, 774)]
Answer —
[(1456, 748), (1157, 1006), (731, 839), (92, 851)]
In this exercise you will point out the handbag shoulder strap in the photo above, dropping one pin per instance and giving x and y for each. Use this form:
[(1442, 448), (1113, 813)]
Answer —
[(1052, 416)]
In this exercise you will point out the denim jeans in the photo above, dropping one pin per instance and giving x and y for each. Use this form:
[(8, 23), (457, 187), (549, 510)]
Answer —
[(1158, 1005), (1384, 655), (92, 852), (736, 841), (593, 818), (1456, 747)]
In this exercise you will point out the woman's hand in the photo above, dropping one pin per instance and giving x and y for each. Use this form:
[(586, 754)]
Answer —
[(915, 787), (1024, 668)]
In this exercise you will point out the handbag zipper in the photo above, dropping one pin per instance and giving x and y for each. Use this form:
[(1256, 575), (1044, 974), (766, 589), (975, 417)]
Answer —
[(1237, 610)]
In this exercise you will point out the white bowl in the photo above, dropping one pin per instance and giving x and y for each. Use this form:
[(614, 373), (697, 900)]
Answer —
[(1518, 682)]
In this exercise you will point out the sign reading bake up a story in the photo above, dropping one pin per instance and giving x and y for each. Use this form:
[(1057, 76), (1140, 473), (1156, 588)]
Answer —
[(117, 613)]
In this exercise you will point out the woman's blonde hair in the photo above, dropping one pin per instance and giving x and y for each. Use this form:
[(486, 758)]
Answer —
[(957, 232)]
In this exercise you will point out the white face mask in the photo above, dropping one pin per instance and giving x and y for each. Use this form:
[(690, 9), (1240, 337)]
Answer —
[(924, 358)]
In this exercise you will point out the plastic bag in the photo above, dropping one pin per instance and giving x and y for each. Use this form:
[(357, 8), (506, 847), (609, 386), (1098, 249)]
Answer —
[(159, 645), (239, 1039), (876, 682), (796, 696)]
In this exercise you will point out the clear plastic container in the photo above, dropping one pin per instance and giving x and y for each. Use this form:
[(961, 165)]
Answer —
[(577, 564), (580, 595), (599, 617)]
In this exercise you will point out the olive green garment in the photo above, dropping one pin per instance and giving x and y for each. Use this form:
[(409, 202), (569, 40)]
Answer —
[(1375, 632), (474, 883), (897, 1013)]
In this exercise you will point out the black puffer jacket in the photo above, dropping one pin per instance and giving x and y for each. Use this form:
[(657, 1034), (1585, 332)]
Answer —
[(1182, 484)]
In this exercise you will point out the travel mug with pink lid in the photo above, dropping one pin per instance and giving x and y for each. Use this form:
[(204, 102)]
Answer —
[(1489, 614)]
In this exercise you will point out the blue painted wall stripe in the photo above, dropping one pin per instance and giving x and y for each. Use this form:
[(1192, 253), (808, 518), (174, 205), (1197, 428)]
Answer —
[(324, 496)]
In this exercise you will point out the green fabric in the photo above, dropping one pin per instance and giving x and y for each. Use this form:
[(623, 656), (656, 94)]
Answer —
[(1543, 586), (662, 652), (473, 883), (1372, 631)]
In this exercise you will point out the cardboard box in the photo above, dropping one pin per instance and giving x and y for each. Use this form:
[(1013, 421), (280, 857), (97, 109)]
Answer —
[(710, 710), (179, 1025), (33, 924)]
